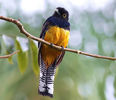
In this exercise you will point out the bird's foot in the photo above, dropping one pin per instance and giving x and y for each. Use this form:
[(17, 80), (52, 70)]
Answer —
[(51, 44), (62, 48)]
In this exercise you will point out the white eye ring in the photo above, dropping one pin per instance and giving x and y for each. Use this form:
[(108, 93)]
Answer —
[(56, 10)]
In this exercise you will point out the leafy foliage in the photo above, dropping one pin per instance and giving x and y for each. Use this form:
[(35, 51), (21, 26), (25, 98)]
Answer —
[(22, 57), (34, 53)]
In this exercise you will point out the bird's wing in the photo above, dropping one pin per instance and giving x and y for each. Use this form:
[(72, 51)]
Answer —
[(42, 35), (44, 29), (60, 58)]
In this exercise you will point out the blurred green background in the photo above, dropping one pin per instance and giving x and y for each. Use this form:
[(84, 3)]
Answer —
[(93, 30)]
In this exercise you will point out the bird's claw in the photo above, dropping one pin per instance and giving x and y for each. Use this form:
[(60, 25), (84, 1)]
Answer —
[(51, 44), (62, 48)]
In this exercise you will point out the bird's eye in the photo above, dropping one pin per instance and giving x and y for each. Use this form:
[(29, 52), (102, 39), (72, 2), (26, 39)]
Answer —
[(64, 15)]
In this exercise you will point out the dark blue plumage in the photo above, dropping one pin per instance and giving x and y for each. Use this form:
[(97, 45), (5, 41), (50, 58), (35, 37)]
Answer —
[(58, 22)]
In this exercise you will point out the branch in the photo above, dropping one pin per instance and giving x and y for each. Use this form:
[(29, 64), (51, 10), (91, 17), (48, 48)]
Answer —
[(9, 55), (22, 30)]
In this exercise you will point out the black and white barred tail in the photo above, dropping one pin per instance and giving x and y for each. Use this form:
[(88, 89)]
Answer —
[(46, 82)]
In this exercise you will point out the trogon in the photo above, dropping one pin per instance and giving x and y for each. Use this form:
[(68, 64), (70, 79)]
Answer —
[(55, 30)]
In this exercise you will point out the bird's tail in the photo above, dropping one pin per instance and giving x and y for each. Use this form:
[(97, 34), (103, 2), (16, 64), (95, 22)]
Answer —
[(46, 82)]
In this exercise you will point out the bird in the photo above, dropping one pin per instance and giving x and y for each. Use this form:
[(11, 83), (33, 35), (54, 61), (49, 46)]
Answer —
[(55, 30)]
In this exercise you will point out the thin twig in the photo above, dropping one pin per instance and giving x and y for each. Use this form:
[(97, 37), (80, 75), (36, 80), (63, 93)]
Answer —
[(9, 55), (22, 30)]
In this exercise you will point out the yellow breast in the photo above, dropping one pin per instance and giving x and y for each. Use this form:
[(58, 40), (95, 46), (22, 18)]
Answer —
[(58, 36)]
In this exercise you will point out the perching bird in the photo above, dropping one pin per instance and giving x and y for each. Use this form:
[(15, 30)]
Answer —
[(55, 30)]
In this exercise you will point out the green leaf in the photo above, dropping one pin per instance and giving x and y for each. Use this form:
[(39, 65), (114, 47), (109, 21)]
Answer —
[(22, 57), (10, 58), (34, 53), (3, 48), (9, 46)]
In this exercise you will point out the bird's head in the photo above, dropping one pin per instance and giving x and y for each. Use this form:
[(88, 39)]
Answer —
[(61, 13)]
